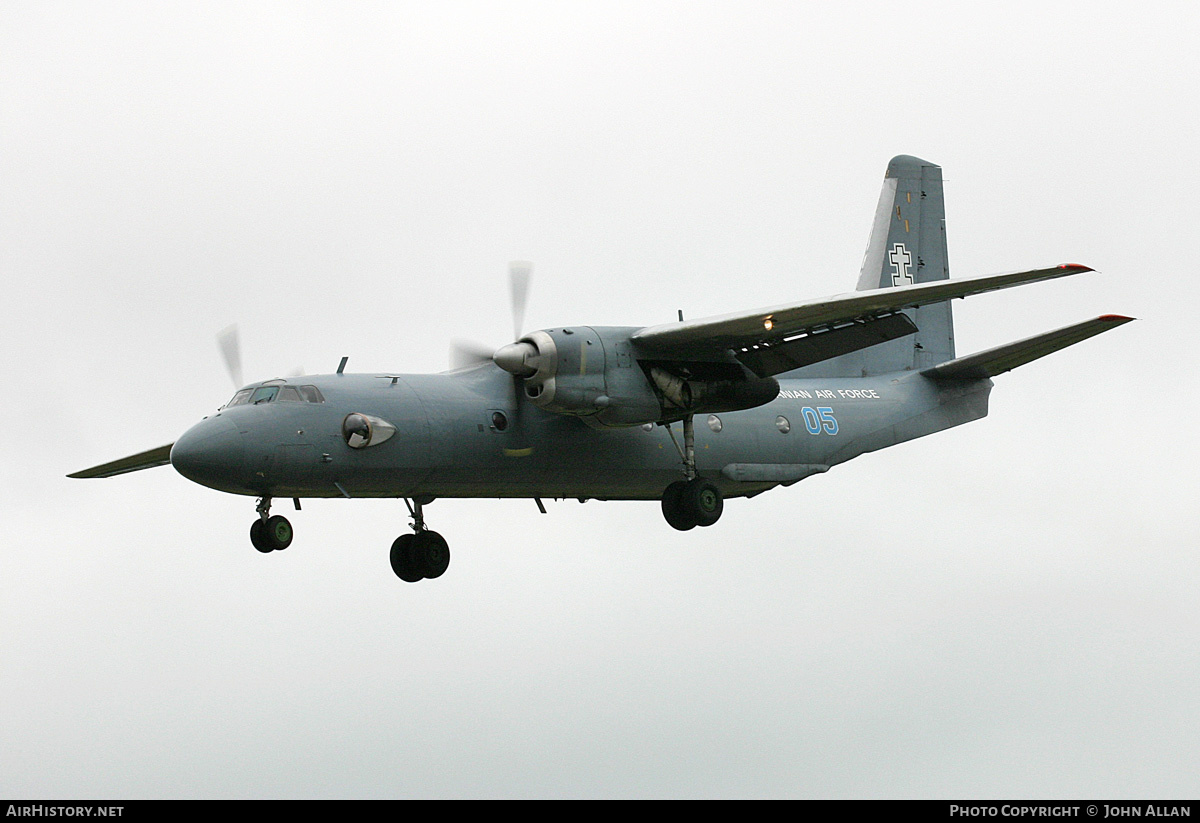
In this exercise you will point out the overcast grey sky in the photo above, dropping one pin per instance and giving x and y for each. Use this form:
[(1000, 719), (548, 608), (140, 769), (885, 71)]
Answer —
[(1005, 609)]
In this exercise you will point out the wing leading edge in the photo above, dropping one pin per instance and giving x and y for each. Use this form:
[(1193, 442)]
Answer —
[(776, 324)]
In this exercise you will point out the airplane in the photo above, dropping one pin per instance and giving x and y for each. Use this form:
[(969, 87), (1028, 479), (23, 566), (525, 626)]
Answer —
[(590, 412)]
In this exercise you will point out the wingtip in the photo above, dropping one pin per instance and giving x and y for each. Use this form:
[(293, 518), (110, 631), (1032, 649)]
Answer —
[(1076, 268), (1115, 318)]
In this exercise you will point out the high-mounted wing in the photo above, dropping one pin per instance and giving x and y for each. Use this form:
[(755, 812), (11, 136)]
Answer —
[(777, 325), (136, 462), (767, 360)]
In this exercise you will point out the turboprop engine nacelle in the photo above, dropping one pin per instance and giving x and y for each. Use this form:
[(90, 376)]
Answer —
[(584, 372), (596, 374)]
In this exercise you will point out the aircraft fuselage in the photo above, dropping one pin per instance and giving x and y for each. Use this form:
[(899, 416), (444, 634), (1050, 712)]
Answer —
[(449, 441)]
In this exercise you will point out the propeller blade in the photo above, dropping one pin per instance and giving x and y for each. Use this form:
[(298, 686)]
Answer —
[(516, 441), (227, 341), (519, 273), (465, 353)]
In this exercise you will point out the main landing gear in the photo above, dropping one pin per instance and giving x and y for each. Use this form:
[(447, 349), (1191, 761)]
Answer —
[(694, 501), (270, 533), (423, 555)]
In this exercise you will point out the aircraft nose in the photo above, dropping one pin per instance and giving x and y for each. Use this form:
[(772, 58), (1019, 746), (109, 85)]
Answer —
[(211, 453)]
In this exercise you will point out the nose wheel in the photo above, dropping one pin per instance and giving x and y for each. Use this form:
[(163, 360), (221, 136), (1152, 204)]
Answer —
[(270, 533), (423, 555)]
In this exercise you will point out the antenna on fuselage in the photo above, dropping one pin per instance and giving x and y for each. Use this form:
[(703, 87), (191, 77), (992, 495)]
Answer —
[(342, 365)]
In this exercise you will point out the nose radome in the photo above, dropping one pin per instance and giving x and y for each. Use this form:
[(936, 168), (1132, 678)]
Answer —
[(211, 453)]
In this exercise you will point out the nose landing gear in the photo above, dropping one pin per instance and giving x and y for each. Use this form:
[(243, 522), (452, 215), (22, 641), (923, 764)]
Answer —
[(420, 556), (270, 533)]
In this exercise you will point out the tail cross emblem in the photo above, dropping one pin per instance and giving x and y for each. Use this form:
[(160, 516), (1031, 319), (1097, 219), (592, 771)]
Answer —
[(901, 261)]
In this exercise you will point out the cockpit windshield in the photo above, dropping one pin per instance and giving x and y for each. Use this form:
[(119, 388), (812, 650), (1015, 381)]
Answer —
[(283, 394), (264, 394), (241, 397)]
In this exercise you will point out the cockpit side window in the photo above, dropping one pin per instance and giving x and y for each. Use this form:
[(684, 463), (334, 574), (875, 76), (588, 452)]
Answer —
[(311, 394), (241, 397), (264, 394), (288, 394)]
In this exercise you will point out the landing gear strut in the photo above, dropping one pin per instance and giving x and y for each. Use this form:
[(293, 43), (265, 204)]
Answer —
[(694, 501), (422, 555), (270, 533)]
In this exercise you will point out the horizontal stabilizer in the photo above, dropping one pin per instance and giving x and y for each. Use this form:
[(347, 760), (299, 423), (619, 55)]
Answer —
[(1004, 358), (778, 323), (144, 460)]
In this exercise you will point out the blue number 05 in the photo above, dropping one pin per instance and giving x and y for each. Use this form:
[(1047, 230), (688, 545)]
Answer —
[(819, 419)]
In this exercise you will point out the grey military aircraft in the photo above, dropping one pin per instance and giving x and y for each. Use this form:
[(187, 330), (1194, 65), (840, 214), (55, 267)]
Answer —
[(609, 413)]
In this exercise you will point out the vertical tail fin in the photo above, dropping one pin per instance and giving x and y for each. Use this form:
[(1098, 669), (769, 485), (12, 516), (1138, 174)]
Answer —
[(907, 245)]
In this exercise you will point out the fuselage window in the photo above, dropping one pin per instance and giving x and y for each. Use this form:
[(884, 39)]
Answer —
[(288, 394), (264, 394), (239, 398), (311, 394)]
